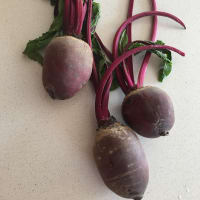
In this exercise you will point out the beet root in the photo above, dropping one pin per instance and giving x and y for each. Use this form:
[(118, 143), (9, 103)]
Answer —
[(149, 111), (67, 66), (121, 161)]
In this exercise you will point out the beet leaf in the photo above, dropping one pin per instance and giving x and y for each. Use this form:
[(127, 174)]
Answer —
[(123, 42), (95, 16), (53, 2), (165, 55), (102, 62), (34, 47)]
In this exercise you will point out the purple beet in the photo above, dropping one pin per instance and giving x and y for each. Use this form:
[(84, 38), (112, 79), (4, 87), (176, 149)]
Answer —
[(67, 66), (149, 111), (121, 160)]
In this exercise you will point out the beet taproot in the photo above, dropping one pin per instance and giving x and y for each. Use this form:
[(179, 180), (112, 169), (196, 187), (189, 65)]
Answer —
[(67, 66), (149, 111), (121, 161)]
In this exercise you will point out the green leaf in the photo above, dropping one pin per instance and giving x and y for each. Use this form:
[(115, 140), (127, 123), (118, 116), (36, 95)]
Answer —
[(123, 42), (139, 44), (102, 62), (164, 71), (115, 83), (102, 66), (53, 2), (160, 54), (167, 53), (34, 47), (158, 42), (166, 67), (164, 54), (58, 20), (135, 45), (95, 16), (36, 56)]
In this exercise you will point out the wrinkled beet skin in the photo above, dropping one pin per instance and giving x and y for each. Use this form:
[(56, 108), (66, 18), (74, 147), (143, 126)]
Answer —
[(121, 161), (67, 66), (149, 111)]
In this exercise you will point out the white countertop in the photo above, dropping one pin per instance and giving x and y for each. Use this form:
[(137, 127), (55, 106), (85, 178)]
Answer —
[(46, 145)]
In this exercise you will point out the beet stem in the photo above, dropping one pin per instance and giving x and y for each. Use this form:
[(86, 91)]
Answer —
[(132, 19), (95, 78), (114, 65), (155, 22), (127, 65), (130, 12), (105, 49), (56, 9), (147, 57), (127, 76), (71, 27), (121, 82), (79, 13), (66, 16), (105, 99), (129, 61), (85, 8)]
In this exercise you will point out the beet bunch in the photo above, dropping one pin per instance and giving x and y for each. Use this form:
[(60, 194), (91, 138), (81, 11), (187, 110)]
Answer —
[(74, 53)]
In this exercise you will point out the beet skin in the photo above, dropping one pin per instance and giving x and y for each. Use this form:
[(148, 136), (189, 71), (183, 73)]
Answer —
[(149, 111), (67, 66), (121, 161)]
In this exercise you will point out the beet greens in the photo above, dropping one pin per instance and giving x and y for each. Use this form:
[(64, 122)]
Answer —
[(122, 28)]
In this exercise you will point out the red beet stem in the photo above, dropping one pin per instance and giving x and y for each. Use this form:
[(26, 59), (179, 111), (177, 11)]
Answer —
[(129, 27), (139, 41), (104, 48), (94, 77), (56, 9), (121, 82), (79, 18), (89, 18), (121, 79), (85, 8), (78, 13), (72, 19), (66, 16), (135, 17), (127, 75), (155, 22), (105, 98), (99, 113), (147, 57), (74, 16), (124, 74), (129, 61)]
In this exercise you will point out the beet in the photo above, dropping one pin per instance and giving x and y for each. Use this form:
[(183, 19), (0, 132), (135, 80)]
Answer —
[(121, 161), (67, 66), (149, 111)]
